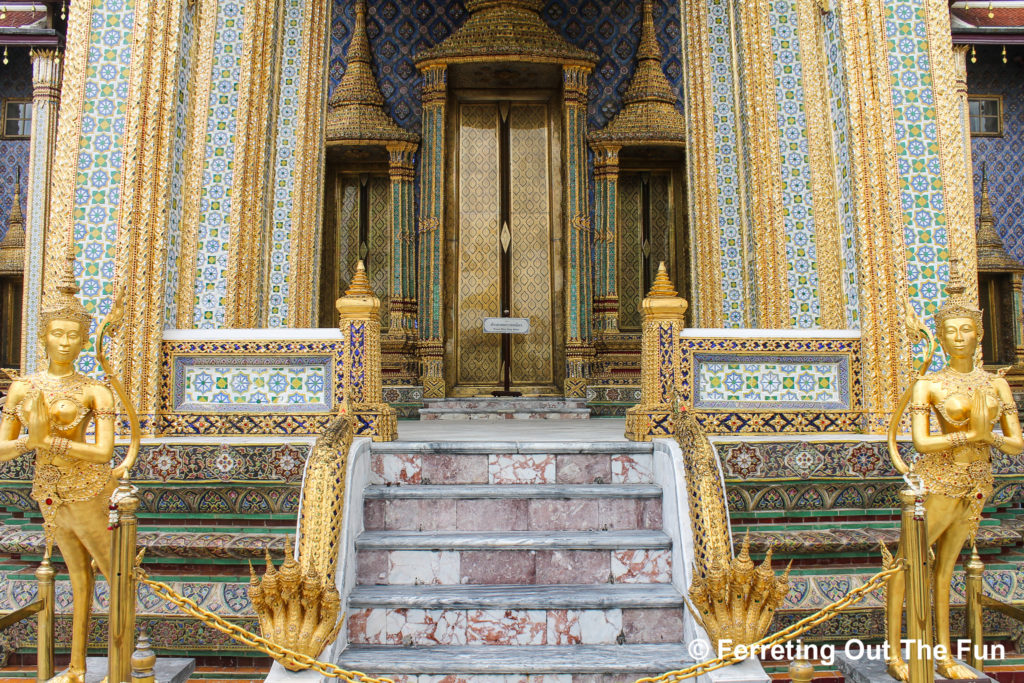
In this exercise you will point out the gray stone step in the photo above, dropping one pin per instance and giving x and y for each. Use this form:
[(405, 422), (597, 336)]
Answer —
[(494, 408), (473, 491), (512, 596), (505, 403), (506, 447), (514, 540), (637, 659)]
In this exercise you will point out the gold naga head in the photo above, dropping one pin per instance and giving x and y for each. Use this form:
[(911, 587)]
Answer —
[(958, 323)]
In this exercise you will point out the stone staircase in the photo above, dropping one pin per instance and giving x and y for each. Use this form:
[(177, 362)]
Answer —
[(512, 408), (488, 561)]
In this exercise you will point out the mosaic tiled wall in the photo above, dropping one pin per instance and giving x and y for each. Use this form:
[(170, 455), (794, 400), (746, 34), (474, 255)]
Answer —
[(836, 75), (917, 149), (1004, 155), (797, 200), (15, 82), (182, 103), (772, 385), (218, 170), (284, 164), (98, 184), (248, 387), (731, 222)]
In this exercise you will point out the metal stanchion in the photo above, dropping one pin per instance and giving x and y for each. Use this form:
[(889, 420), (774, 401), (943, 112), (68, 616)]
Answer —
[(143, 661), (919, 614), (44, 636), (124, 503), (801, 671), (974, 569)]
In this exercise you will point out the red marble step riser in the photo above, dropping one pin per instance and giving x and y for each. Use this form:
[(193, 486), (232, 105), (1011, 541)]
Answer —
[(516, 468), (489, 567), (418, 627), (538, 514)]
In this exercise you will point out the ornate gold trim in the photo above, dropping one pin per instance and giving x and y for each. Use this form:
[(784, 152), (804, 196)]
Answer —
[(60, 227), (142, 219), (200, 82), (308, 178), (765, 166), (881, 248), (253, 148), (957, 180), (822, 159), (701, 172)]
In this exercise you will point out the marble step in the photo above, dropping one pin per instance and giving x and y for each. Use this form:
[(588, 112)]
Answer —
[(507, 626), (520, 661), (544, 491), (508, 566), (511, 514), (513, 540), (396, 466), (494, 408), (512, 596)]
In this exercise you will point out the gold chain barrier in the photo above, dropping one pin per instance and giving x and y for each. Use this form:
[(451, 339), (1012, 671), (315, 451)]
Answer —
[(787, 634), (279, 653)]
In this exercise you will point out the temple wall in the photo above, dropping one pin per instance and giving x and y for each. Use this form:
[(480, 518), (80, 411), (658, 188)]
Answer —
[(1004, 155), (15, 82)]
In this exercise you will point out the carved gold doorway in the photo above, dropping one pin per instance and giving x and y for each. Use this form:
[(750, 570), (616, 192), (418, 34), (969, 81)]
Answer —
[(503, 208)]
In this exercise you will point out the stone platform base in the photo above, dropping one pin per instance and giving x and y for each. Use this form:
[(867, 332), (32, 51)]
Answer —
[(873, 671), (167, 669), (485, 408)]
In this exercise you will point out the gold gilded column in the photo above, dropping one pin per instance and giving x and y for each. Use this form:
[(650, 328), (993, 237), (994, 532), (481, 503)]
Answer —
[(307, 183), (957, 180), (46, 79), (250, 188), (606, 197), (431, 243), (701, 171), (402, 295), (143, 219), (579, 285), (660, 360), (765, 165), (823, 163), (359, 312), (885, 346)]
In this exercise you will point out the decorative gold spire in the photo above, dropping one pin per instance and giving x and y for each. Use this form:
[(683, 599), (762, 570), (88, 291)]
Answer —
[(957, 304), (504, 30), (662, 287), (992, 254), (648, 113), (360, 285), (12, 247), (355, 112)]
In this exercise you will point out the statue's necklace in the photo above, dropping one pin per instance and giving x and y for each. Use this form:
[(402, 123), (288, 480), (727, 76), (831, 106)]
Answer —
[(69, 388), (959, 383)]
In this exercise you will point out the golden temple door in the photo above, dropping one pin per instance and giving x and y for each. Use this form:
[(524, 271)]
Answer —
[(503, 209)]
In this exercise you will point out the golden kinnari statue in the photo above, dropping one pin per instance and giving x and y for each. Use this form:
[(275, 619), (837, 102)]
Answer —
[(955, 467), (73, 479)]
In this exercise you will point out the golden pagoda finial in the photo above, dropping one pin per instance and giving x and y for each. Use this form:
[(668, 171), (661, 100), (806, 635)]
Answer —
[(648, 48), (12, 246), (360, 285), (992, 254), (662, 287), (16, 215)]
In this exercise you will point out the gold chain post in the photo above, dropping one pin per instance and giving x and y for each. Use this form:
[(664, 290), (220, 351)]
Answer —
[(124, 503), (44, 637), (919, 613), (974, 569), (801, 671)]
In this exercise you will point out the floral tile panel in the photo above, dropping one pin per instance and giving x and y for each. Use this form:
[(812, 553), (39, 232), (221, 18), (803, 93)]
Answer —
[(731, 381), (234, 384)]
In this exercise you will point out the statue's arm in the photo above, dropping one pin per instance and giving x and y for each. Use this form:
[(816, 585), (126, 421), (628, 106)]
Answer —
[(1013, 443), (102, 450), (10, 427)]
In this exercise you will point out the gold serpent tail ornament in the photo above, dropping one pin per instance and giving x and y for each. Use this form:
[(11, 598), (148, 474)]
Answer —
[(109, 325), (918, 330)]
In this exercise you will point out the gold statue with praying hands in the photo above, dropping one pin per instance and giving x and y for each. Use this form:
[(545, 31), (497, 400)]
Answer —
[(953, 472), (73, 480)]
